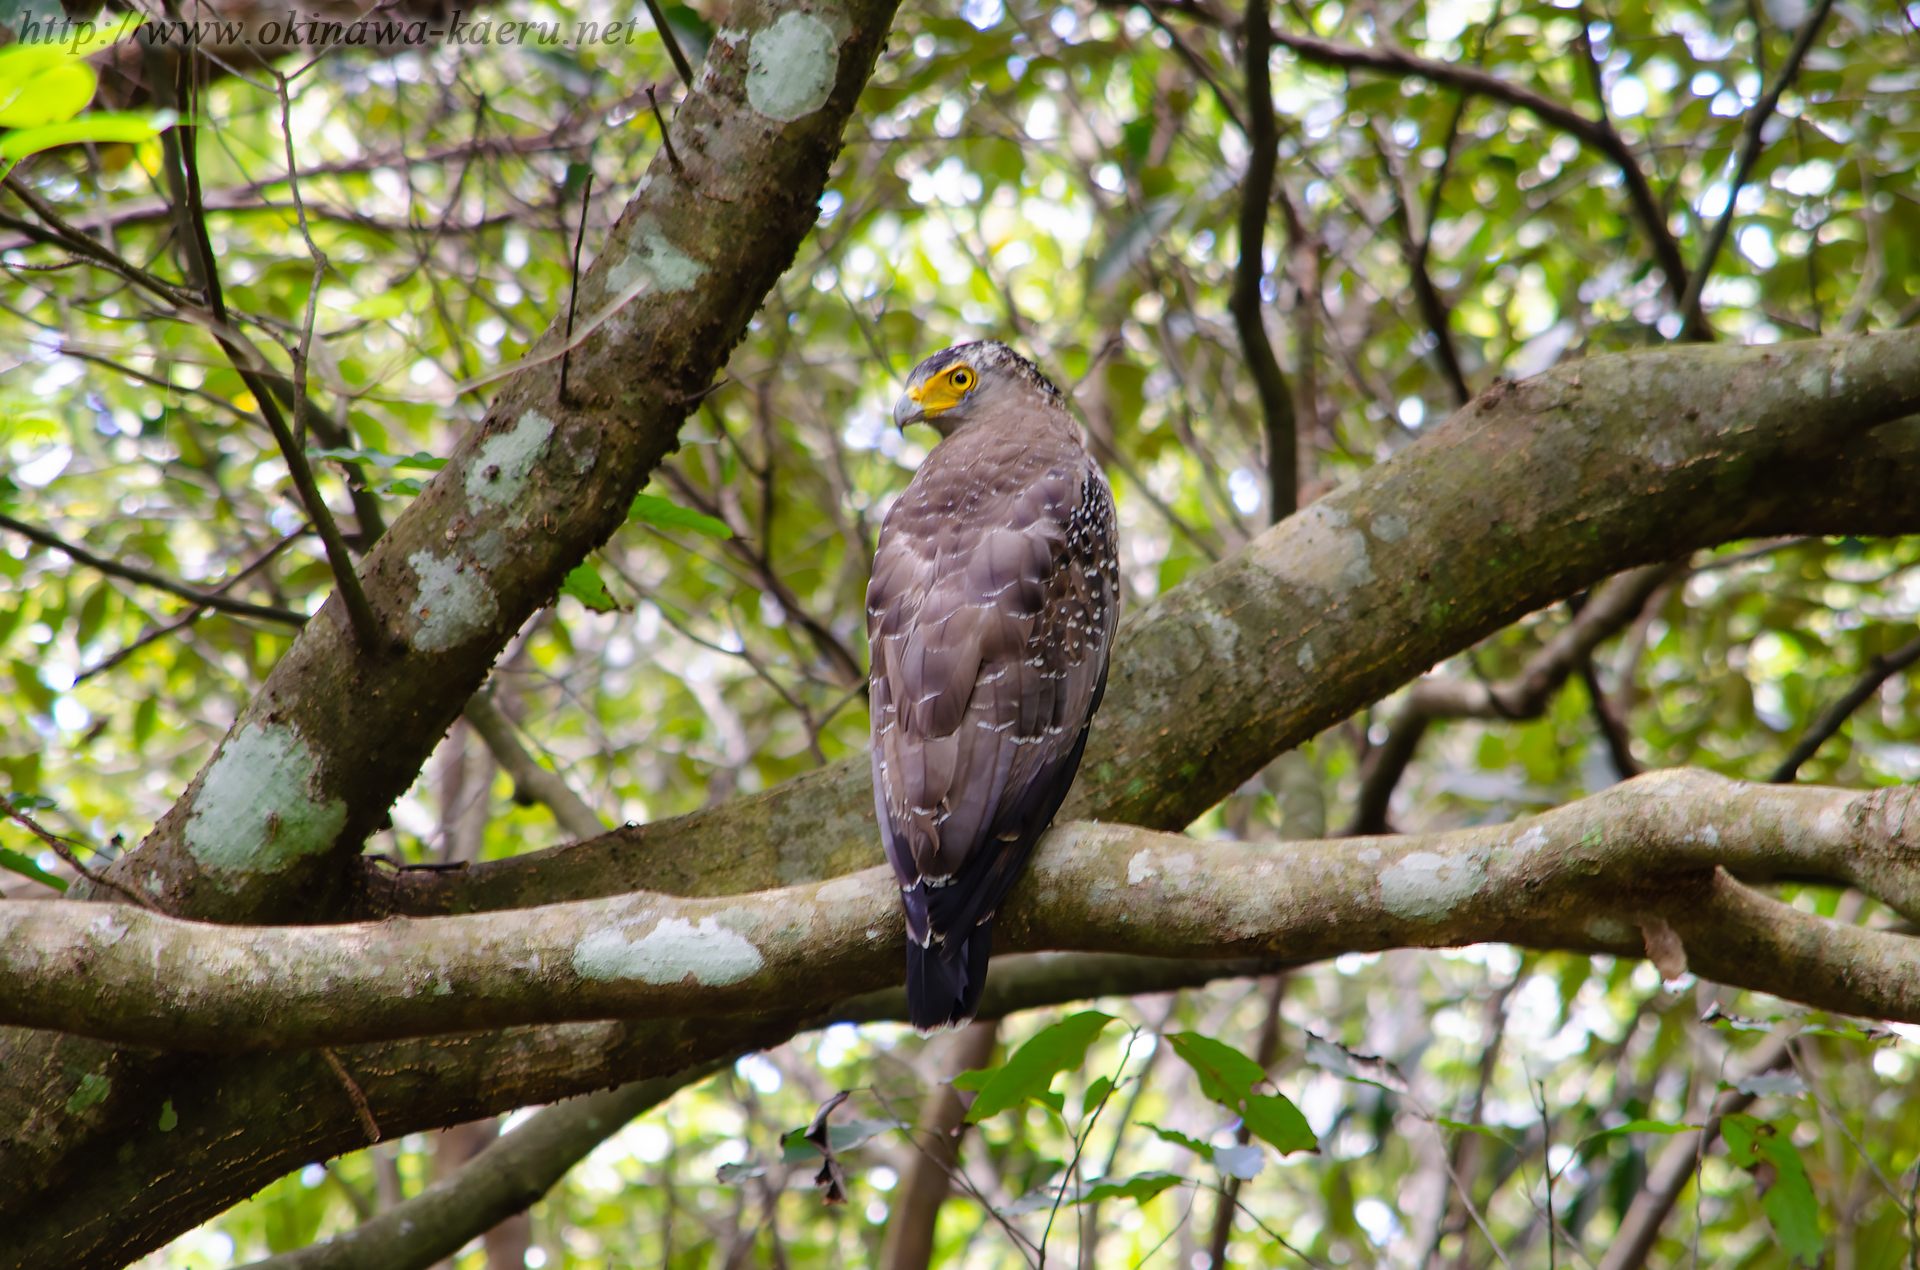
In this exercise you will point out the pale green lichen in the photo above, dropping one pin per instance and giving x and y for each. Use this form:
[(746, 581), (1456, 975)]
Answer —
[(454, 602), (1318, 553), (653, 263), (669, 953), (497, 474), (1426, 887), (791, 67), (259, 808)]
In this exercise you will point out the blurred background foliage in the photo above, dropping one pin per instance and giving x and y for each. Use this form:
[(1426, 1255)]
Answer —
[(1065, 177)]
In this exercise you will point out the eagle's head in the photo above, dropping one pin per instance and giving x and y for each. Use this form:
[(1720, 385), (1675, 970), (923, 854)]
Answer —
[(960, 384)]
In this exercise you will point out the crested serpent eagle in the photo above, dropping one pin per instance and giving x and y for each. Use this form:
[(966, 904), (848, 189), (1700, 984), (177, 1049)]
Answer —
[(990, 616)]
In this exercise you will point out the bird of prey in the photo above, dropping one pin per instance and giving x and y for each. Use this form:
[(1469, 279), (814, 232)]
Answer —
[(992, 608)]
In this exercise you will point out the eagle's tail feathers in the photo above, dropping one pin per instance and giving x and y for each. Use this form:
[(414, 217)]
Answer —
[(944, 982)]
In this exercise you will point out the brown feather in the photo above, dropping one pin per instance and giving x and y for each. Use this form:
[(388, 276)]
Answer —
[(991, 611)]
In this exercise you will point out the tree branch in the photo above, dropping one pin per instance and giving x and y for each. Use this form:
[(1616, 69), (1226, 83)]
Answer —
[(1387, 59), (1582, 877), (233, 1150), (1249, 312), (148, 578), (536, 781), (504, 1179), (1526, 697)]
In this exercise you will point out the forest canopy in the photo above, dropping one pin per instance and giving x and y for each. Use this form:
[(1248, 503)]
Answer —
[(441, 454)]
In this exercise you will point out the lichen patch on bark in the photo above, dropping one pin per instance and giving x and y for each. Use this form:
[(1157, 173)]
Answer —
[(454, 602), (791, 66), (669, 953), (1426, 886), (497, 475), (652, 259), (259, 807)]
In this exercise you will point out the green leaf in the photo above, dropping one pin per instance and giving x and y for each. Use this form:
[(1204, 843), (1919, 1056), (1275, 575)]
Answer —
[(1789, 1200), (1139, 1188), (584, 585), (26, 681), (146, 717), (1485, 1131), (1227, 1076), (385, 305), (1029, 1073), (1640, 1126), (1179, 1139), (98, 126), (25, 867), (794, 1147), (662, 514), (420, 460), (54, 95), (1096, 1094)]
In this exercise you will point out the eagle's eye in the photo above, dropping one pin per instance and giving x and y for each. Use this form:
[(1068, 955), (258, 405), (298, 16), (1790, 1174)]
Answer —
[(961, 378)]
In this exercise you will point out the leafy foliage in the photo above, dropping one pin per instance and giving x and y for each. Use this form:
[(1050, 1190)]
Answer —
[(1029, 1074)]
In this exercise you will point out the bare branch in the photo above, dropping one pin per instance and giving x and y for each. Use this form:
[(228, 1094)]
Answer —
[(1880, 668), (1751, 143), (506, 1178), (1618, 603), (148, 578), (1584, 877), (536, 781), (1249, 312)]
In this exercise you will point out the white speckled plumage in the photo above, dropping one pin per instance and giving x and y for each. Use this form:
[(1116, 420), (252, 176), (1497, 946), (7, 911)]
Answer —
[(991, 612)]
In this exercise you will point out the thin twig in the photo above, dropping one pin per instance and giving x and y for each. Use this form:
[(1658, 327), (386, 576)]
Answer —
[(573, 296), (60, 848), (1751, 143), (366, 625), (666, 137), (354, 1095), (159, 582), (1249, 313), (1879, 670), (667, 38)]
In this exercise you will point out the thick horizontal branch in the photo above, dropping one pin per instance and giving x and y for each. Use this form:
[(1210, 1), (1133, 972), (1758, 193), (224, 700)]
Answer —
[(1583, 877), (1570, 478)]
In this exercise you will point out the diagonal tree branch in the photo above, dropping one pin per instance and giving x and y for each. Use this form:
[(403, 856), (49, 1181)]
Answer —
[(1880, 668), (1751, 143), (506, 1178), (1386, 59), (1584, 877), (496, 730), (148, 578), (1611, 610)]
